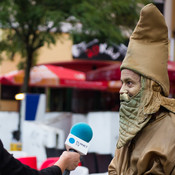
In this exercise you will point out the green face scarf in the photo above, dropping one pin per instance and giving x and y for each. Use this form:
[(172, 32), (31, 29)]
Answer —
[(130, 112)]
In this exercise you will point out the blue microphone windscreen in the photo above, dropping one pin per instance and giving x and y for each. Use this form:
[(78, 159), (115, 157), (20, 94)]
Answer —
[(82, 131)]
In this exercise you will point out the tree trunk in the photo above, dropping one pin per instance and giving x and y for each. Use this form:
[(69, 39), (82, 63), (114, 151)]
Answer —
[(25, 86)]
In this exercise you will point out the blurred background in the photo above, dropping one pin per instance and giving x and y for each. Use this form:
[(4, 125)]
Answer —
[(64, 58)]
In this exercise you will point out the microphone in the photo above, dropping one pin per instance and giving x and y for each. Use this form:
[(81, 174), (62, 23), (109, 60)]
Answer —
[(78, 139)]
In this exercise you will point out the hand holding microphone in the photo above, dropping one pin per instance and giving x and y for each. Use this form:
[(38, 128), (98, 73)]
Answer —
[(68, 160), (78, 140)]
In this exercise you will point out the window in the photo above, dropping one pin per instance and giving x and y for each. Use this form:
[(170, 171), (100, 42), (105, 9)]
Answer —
[(9, 92), (59, 99), (82, 100)]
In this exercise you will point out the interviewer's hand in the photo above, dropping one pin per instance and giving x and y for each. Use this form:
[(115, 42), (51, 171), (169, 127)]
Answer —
[(68, 160)]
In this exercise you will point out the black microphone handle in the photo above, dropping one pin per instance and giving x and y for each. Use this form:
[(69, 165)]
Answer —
[(67, 172)]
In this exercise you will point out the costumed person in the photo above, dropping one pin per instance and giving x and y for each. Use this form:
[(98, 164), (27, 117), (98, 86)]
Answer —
[(11, 166), (146, 143)]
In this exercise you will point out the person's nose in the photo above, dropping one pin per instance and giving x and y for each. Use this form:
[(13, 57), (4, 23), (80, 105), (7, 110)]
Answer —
[(123, 89)]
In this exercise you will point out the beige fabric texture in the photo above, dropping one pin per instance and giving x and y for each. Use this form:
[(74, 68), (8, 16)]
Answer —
[(152, 150), (147, 52)]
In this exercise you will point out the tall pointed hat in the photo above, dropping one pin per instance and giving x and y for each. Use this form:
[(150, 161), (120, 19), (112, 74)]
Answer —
[(147, 52)]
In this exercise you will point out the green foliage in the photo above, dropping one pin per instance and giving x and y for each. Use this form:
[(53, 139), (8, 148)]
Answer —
[(103, 19), (28, 24)]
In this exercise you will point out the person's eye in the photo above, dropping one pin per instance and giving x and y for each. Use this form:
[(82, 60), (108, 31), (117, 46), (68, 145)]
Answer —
[(129, 83)]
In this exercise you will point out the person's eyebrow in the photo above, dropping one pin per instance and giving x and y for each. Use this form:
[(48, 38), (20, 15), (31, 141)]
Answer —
[(127, 79)]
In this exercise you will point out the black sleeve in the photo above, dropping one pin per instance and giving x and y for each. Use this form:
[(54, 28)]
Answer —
[(11, 166)]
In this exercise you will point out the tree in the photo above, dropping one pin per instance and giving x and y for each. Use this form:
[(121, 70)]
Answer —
[(28, 24)]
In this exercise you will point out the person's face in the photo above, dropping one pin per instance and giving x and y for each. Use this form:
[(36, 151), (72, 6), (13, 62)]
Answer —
[(131, 83)]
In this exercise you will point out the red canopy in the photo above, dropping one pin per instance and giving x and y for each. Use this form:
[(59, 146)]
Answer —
[(105, 78), (112, 72), (171, 70), (55, 76), (43, 76)]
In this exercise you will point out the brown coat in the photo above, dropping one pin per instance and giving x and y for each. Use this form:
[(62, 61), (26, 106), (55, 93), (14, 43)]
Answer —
[(152, 151)]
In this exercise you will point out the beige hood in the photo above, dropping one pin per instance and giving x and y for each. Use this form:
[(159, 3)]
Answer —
[(147, 52)]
